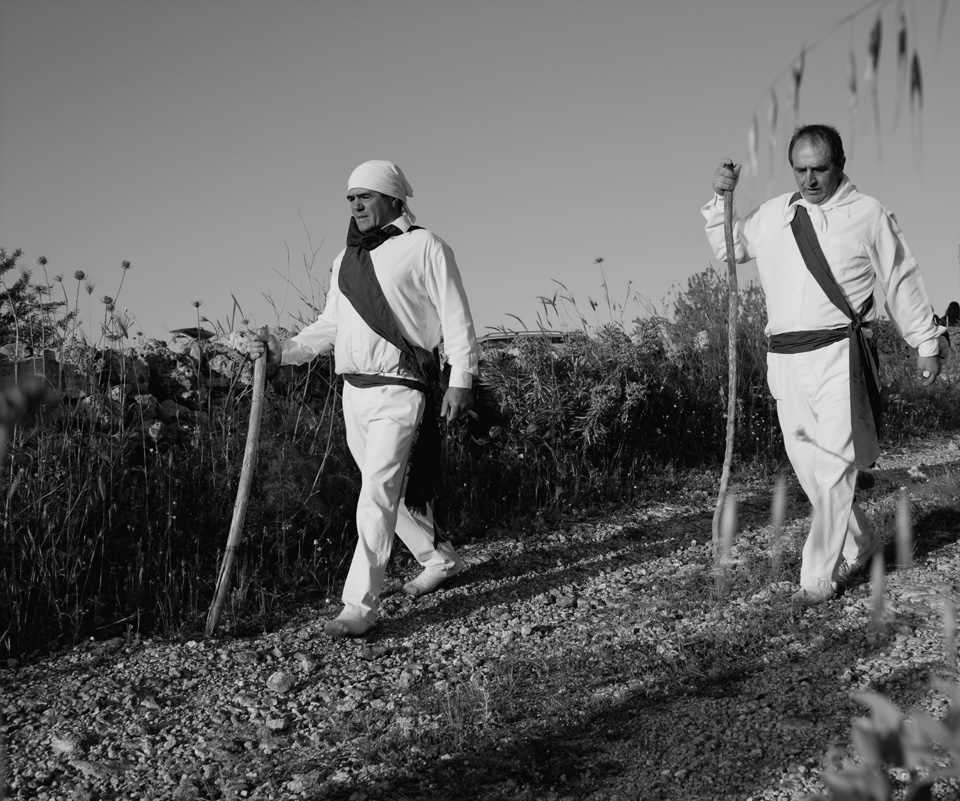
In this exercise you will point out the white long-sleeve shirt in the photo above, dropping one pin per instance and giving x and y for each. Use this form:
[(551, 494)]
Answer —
[(422, 285), (863, 245)]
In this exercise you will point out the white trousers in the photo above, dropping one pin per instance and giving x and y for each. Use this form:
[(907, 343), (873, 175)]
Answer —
[(381, 423), (812, 391)]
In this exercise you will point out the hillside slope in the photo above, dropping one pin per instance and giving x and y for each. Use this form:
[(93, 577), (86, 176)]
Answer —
[(604, 659)]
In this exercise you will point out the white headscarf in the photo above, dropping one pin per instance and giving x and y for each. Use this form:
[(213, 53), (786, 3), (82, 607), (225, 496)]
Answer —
[(384, 177)]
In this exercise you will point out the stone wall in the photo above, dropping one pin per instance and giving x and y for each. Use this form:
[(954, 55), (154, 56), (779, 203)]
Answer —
[(151, 385)]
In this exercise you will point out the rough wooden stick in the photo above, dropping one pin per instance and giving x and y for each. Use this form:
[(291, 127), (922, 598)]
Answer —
[(733, 304), (243, 496)]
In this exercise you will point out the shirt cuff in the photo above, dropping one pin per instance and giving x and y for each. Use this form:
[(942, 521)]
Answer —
[(460, 379), (292, 352)]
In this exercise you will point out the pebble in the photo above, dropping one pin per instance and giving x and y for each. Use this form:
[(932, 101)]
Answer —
[(281, 682)]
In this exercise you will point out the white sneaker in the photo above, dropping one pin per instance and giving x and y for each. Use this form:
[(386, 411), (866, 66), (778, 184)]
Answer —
[(429, 580), (818, 593), (347, 625)]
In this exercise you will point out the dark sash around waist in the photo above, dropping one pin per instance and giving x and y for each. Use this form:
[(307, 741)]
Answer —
[(365, 381), (805, 341), (360, 286), (864, 361)]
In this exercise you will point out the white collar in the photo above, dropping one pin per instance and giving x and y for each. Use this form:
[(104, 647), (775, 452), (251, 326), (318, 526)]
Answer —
[(840, 200), (403, 222)]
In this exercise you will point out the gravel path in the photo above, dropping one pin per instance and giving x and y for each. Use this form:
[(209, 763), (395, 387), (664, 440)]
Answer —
[(604, 659)]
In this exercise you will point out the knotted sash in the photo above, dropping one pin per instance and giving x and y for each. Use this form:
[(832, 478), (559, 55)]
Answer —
[(359, 284), (864, 362)]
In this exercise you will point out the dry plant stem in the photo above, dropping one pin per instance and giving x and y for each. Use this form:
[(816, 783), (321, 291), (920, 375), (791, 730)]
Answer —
[(877, 574), (904, 532), (778, 514), (243, 496), (3, 761), (733, 308), (949, 636)]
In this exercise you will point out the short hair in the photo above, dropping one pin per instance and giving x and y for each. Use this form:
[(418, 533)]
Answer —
[(824, 134)]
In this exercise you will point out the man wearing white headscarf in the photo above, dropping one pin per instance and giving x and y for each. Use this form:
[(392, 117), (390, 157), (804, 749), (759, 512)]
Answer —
[(821, 366), (395, 292)]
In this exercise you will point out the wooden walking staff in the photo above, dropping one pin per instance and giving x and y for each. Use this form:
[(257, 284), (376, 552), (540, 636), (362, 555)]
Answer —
[(733, 304), (243, 495)]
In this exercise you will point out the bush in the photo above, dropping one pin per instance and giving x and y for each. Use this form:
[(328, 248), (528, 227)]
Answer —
[(909, 408), (117, 502)]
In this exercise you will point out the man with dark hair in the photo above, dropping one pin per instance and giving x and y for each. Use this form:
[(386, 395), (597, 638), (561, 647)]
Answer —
[(820, 253), (395, 292), (825, 135)]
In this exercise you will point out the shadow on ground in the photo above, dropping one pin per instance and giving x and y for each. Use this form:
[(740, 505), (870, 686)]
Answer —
[(591, 722)]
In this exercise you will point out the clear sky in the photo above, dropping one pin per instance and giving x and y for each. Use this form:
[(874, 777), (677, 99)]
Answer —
[(202, 140)]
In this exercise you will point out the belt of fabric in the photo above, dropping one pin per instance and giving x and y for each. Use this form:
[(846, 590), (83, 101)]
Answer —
[(365, 381), (805, 341)]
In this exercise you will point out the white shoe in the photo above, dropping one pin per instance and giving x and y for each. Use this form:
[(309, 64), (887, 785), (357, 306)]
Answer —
[(429, 580), (818, 593), (347, 625)]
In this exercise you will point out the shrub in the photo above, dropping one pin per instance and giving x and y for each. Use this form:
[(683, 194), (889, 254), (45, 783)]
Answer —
[(117, 504)]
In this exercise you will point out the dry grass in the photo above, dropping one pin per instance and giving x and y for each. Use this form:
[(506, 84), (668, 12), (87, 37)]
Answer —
[(105, 527)]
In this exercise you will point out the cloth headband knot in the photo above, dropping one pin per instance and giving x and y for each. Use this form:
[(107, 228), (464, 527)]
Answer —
[(384, 177)]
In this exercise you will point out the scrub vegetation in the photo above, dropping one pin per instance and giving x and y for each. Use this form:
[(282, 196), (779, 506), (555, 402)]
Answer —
[(106, 528)]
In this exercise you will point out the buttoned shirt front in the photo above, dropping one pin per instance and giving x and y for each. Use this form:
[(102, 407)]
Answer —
[(864, 247), (422, 285)]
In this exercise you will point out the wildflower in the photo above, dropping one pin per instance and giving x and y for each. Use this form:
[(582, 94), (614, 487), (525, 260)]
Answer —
[(58, 278), (196, 303), (42, 261), (89, 285), (106, 300), (125, 264), (598, 260), (79, 275)]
